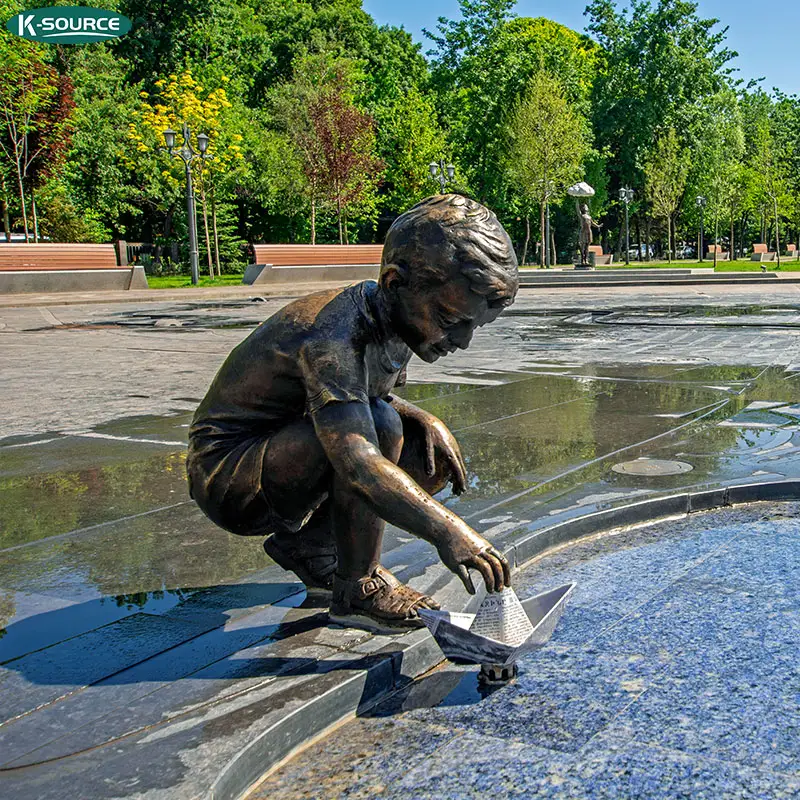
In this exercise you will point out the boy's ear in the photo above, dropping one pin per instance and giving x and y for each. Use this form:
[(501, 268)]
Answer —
[(393, 276)]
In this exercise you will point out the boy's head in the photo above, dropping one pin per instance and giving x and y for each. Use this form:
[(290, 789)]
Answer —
[(448, 267)]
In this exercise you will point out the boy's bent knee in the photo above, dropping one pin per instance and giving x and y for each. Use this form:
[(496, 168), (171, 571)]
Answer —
[(389, 428)]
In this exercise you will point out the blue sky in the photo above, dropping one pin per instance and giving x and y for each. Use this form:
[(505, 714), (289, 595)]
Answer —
[(766, 34)]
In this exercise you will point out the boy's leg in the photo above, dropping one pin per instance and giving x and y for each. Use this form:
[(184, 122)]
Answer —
[(297, 474), (364, 593)]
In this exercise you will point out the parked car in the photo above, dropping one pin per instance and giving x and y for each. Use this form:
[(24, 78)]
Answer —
[(633, 253)]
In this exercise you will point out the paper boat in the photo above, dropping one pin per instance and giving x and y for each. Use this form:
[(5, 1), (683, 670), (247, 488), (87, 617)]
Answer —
[(460, 644)]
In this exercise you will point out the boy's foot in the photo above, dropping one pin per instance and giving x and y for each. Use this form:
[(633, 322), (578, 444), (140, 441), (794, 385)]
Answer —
[(378, 603), (314, 563)]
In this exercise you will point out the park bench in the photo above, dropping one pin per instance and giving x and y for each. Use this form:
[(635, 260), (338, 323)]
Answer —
[(762, 253), (792, 251), (598, 258), (722, 255), (302, 263), (66, 267)]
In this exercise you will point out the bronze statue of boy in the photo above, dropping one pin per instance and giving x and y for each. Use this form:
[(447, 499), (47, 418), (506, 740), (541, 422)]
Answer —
[(301, 439)]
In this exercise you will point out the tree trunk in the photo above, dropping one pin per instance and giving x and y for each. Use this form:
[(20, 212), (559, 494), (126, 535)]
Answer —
[(639, 237), (35, 217), (216, 233), (6, 220), (313, 220), (542, 235), (647, 238), (777, 235), (22, 204), (716, 240), (205, 230), (346, 233), (733, 249), (669, 239), (527, 239), (339, 219), (552, 247)]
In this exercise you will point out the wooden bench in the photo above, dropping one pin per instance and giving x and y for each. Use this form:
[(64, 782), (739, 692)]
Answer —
[(792, 251), (597, 257), (66, 267), (762, 253), (301, 263), (722, 255)]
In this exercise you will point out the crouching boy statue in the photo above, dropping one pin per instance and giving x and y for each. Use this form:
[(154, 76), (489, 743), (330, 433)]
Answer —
[(301, 440)]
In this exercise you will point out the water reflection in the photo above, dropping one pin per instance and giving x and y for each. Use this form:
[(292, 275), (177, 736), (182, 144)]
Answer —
[(38, 506), (551, 437)]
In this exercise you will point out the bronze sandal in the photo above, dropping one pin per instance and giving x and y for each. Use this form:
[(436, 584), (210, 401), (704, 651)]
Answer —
[(378, 603)]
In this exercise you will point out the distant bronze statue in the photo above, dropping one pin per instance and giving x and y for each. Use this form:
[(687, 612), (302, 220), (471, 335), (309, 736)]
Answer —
[(300, 438), (586, 236)]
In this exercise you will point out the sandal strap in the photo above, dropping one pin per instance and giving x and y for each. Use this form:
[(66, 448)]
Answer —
[(345, 591)]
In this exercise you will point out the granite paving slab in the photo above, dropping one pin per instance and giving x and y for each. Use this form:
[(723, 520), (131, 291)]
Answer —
[(691, 692)]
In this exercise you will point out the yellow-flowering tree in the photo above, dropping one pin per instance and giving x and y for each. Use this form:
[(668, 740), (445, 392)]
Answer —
[(179, 100)]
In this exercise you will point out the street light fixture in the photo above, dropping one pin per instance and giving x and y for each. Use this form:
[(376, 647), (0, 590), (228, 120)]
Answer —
[(188, 154), (626, 195), (701, 204), (440, 172)]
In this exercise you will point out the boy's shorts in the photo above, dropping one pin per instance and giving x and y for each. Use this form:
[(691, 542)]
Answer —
[(225, 472)]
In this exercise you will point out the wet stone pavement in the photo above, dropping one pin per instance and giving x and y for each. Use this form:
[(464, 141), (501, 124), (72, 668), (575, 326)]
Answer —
[(128, 621), (673, 674)]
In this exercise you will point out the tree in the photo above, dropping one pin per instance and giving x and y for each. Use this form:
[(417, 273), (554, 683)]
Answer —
[(179, 100), (665, 174), (409, 138), (772, 179), (28, 86), (334, 139), (548, 142), (481, 66), (659, 64), (346, 140)]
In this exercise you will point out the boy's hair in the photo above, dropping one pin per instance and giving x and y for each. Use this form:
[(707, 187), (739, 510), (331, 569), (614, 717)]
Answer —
[(448, 234)]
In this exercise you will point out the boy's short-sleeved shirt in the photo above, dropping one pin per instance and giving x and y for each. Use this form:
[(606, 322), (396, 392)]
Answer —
[(334, 346)]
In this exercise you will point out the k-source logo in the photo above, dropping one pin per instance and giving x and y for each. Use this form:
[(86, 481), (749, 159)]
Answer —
[(69, 24)]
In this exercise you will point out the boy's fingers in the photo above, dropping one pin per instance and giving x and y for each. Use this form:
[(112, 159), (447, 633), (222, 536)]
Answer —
[(463, 573), (458, 474), (497, 569), (430, 455), (504, 563), (485, 570)]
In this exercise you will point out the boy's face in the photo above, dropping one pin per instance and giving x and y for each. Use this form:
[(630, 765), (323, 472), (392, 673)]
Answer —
[(435, 321)]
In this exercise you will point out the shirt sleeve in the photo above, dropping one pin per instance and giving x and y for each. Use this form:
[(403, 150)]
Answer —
[(333, 372)]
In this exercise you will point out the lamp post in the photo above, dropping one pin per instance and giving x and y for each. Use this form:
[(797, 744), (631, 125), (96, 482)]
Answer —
[(440, 172), (626, 195), (701, 204), (188, 154)]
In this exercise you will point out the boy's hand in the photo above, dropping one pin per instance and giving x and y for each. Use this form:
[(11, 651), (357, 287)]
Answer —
[(463, 551), (439, 439)]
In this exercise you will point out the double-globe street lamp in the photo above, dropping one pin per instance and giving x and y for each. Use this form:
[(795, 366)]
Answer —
[(701, 204), (440, 172), (626, 195), (189, 154)]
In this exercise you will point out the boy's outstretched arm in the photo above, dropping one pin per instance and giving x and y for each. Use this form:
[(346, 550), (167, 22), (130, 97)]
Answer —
[(347, 434)]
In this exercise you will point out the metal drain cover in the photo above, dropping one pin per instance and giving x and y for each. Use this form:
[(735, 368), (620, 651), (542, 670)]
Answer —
[(652, 467)]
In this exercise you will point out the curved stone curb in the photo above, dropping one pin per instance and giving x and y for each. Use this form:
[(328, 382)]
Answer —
[(341, 694)]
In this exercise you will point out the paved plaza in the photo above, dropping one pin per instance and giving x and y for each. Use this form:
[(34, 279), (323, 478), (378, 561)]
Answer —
[(142, 650)]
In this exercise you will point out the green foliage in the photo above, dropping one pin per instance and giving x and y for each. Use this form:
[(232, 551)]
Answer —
[(62, 221), (277, 83)]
